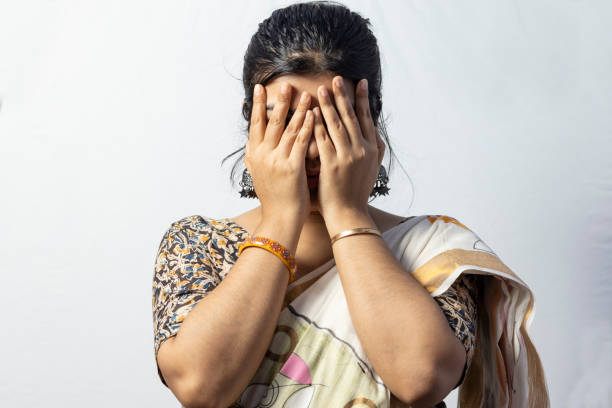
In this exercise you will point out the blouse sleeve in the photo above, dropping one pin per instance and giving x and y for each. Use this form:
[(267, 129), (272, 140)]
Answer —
[(460, 308), (183, 275)]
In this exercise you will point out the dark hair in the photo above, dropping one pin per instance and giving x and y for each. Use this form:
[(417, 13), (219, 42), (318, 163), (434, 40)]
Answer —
[(313, 37)]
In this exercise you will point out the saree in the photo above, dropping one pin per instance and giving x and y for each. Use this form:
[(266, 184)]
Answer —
[(315, 358)]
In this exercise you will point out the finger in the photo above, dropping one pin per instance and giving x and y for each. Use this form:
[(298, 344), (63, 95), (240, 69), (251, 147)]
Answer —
[(346, 111), (257, 126), (335, 127), (276, 124), (363, 111), (294, 126), (298, 149), (324, 144)]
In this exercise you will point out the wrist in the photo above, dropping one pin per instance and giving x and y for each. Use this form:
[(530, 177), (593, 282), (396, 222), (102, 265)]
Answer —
[(285, 230), (346, 219)]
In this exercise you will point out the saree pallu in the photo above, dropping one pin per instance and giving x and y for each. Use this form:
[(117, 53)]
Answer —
[(316, 360)]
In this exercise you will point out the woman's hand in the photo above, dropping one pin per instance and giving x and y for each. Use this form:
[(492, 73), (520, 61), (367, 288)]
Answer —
[(275, 155), (350, 154)]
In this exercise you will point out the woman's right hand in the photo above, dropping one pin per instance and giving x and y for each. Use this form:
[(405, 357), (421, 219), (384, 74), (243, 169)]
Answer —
[(275, 156)]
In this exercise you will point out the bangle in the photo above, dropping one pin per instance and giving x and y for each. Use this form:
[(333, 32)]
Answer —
[(276, 248), (355, 231)]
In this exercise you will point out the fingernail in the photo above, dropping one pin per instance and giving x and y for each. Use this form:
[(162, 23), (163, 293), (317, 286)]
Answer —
[(304, 97), (323, 91), (364, 84), (257, 89), (308, 115), (340, 83)]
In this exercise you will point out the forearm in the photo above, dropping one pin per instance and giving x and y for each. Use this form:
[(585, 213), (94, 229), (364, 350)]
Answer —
[(225, 336), (402, 329)]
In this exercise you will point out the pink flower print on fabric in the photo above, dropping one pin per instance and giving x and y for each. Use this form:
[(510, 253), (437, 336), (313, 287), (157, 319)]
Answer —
[(296, 369)]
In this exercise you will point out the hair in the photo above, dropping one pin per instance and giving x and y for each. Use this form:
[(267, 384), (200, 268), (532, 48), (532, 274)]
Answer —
[(309, 38), (325, 36)]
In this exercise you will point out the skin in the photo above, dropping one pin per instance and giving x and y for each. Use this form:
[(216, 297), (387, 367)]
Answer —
[(309, 84), (420, 369), (314, 247), (194, 362)]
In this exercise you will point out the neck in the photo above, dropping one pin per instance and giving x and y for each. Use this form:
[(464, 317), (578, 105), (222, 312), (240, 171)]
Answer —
[(315, 219)]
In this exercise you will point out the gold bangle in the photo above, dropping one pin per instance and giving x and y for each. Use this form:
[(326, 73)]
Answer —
[(354, 231)]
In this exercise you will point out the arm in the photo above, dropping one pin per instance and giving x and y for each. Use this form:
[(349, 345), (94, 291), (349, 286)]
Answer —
[(225, 336), (401, 327)]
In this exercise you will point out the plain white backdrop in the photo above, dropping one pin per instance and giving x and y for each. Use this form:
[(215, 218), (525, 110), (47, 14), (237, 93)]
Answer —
[(115, 116)]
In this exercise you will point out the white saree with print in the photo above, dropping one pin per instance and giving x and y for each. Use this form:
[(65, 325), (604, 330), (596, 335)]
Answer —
[(315, 358)]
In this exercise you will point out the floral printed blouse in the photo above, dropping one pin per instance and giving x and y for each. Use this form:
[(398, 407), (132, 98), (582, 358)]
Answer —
[(196, 253)]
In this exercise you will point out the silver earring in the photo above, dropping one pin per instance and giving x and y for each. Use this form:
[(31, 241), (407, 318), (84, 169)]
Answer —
[(247, 185), (380, 188)]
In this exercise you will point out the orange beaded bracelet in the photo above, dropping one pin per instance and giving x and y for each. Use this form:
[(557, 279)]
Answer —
[(276, 248)]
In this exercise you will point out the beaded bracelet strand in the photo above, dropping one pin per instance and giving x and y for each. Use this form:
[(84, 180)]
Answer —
[(276, 248)]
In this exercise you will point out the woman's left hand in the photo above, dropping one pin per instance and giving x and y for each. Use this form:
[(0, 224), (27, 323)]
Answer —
[(351, 153)]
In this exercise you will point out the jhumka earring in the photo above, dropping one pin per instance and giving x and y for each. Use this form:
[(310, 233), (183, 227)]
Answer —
[(247, 185), (380, 188)]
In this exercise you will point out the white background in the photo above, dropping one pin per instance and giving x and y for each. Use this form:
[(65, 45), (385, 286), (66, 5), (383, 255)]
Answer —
[(115, 116)]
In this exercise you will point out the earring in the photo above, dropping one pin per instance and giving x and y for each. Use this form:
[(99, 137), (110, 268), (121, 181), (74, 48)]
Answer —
[(380, 188), (247, 185)]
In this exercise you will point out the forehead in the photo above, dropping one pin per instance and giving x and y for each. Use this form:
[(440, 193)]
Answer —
[(305, 82)]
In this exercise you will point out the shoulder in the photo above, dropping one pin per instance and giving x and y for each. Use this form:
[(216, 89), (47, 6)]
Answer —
[(386, 221), (195, 223), (454, 233), (426, 227), (195, 230), (197, 239), (200, 223), (445, 232), (444, 229), (425, 221), (441, 221), (435, 242)]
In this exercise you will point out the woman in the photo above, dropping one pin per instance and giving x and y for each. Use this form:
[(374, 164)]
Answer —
[(378, 309)]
